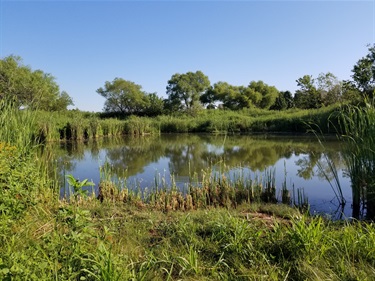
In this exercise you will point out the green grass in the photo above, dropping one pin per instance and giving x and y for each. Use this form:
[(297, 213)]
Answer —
[(75, 125), (116, 241)]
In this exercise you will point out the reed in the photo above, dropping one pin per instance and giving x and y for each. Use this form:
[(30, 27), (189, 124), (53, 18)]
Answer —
[(357, 125), (76, 125)]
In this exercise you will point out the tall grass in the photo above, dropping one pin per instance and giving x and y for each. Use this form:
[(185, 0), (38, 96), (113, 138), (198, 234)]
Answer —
[(76, 125), (18, 127), (357, 125), (214, 187)]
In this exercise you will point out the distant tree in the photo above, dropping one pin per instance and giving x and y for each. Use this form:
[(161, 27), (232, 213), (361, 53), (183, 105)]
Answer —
[(124, 97), (364, 73), (307, 96), (257, 94), (155, 105), (283, 101), (184, 90), (268, 93), (62, 102), (350, 93), (232, 97), (209, 98), (329, 88), (31, 89)]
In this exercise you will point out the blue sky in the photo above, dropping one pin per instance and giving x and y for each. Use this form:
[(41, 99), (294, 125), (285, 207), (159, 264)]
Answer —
[(85, 43)]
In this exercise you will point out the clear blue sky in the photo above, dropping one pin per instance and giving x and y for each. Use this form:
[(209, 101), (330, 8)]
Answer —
[(85, 43)]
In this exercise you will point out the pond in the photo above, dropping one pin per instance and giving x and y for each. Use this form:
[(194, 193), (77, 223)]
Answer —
[(140, 161)]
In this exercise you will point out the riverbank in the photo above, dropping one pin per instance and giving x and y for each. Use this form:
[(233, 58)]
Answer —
[(89, 240)]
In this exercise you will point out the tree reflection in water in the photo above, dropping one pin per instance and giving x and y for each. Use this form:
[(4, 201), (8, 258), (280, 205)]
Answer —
[(186, 155)]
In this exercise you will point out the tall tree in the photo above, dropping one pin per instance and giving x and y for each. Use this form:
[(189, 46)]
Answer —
[(283, 101), (268, 93), (184, 90), (155, 105), (232, 97), (329, 88), (28, 88), (124, 97), (364, 73), (307, 96), (257, 94)]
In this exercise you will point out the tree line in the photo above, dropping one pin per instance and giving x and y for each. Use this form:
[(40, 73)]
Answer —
[(189, 92)]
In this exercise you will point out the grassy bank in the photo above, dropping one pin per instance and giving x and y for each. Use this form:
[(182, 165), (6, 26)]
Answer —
[(89, 240), (82, 125)]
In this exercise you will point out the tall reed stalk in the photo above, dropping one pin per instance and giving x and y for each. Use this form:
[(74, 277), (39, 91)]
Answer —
[(357, 125)]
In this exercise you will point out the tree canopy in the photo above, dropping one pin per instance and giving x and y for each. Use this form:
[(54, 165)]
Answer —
[(31, 89), (364, 73), (257, 94), (123, 96), (184, 90), (322, 91)]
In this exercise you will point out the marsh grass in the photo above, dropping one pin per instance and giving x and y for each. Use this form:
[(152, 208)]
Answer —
[(76, 125), (218, 186), (357, 127)]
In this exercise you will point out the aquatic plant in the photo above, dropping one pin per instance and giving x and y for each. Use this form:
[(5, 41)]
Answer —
[(357, 128)]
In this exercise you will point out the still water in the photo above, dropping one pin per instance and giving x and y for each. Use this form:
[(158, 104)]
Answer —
[(140, 160)]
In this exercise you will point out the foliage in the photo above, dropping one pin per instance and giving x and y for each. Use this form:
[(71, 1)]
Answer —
[(326, 90), (31, 89), (78, 186), (185, 90), (19, 182), (257, 94), (155, 105), (124, 96), (267, 93), (283, 101), (308, 96), (364, 74)]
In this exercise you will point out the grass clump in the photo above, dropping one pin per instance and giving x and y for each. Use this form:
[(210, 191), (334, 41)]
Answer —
[(357, 125)]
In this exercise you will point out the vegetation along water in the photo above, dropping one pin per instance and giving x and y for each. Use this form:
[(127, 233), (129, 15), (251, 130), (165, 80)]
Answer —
[(223, 225)]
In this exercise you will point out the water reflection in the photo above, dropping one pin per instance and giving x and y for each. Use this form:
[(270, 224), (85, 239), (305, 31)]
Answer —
[(142, 158)]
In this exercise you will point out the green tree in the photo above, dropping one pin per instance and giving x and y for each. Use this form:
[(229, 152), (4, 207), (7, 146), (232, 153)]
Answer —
[(364, 73), (184, 90), (209, 98), (232, 97), (155, 105), (257, 94), (329, 88), (307, 96), (62, 102), (268, 93), (283, 101), (31, 89), (124, 97)]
